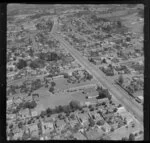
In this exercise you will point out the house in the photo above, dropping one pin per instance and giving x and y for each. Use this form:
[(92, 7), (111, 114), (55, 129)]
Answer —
[(24, 113), (128, 117), (103, 100), (18, 135), (47, 127), (18, 101), (60, 124), (11, 116), (9, 102), (121, 110), (73, 122), (34, 113), (33, 129), (106, 127), (83, 118), (140, 98), (95, 115)]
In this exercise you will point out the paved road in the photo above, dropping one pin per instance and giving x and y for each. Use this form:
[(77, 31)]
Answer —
[(100, 77)]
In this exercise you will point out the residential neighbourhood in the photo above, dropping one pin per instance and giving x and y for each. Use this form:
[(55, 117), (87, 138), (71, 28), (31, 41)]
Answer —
[(75, 72)]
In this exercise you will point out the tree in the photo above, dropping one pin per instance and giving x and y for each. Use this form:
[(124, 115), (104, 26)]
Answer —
[(124, 139), (112, 129), (53, 83), (60, 108), (48, 111), (100, 122), (131, 137), (38, 63), (72, 116), (43, 113), (20, 125), (99, 89), (66, 109), (89, 77), (119, 24), (11, 126), (128, 39), (60, 116), (21, 64), (65, 75), (121, 79), (36, 84), (33, 104), (74, 104), (91, 122), (51, 89)]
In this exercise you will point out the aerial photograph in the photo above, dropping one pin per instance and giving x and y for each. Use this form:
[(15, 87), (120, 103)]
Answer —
[(75, 72)]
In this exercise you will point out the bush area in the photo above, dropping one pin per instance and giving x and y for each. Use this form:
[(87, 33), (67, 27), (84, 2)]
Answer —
[(103, 93), (71, 107), (21, 64)]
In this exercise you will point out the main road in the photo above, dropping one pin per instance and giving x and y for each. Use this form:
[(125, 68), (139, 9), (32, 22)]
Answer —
[(101, 78)]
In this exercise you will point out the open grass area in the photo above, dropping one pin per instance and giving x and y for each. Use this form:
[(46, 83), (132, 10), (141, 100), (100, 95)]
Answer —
[(62, 84), (47, 99)]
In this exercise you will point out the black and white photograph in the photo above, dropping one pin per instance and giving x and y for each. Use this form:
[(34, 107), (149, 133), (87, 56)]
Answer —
[(75, 72)]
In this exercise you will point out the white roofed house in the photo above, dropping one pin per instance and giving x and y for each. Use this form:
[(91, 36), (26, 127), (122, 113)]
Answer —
[(9, 103), (34, 113)]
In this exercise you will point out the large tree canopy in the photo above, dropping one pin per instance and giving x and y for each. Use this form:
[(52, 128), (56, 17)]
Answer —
[(21, 64)]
